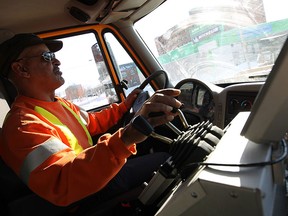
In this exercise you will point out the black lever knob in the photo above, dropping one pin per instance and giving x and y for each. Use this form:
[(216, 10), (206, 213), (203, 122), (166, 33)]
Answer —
[(142, 125)]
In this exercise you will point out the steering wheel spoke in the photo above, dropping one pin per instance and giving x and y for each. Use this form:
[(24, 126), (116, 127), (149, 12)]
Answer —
[(144, 95)]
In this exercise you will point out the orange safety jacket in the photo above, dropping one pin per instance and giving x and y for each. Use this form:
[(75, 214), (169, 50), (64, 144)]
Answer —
[(49, 145)]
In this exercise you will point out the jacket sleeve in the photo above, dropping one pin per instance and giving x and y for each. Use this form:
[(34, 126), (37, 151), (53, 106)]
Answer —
[(76, 177), (101, 121)]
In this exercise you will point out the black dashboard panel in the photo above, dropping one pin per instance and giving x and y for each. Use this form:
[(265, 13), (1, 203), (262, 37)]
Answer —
[(219, 105), (238, 101), (197, 99)]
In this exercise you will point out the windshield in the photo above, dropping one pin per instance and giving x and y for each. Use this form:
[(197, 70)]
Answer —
[(220, 41)]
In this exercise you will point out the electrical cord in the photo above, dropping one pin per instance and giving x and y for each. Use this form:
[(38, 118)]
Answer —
[(264, 163)]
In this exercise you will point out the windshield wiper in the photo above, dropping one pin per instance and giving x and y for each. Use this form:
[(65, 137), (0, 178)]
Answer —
[(258, 76)]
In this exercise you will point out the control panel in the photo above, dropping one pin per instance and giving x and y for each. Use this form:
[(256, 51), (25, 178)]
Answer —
[(238, 102)]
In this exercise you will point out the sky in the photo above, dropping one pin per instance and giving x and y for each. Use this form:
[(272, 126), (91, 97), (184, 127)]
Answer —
[(275, 9)]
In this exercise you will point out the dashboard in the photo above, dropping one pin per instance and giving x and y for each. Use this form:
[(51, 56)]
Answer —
[(197, 98), (206, 101), (238, 101)]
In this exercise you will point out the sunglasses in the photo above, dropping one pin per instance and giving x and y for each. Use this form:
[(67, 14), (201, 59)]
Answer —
[(47, 56)]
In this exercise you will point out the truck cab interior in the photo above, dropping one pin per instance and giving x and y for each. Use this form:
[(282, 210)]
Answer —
[(228, 58)]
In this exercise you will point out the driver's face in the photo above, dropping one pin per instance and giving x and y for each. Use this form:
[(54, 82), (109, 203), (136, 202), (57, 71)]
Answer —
[(45, 74)]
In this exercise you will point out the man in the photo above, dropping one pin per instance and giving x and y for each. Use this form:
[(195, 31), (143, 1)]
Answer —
[(47, 141)]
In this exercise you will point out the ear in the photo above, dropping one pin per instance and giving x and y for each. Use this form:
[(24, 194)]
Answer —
[(20, 70)]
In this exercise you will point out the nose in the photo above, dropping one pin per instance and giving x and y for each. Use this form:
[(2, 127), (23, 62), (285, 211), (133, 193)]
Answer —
[(56, 62)]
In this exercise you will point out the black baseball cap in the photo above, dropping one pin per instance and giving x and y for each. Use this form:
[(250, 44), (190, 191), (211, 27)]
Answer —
[(13, 47)]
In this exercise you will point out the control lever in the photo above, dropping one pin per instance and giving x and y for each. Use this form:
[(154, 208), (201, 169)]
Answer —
[(173, 128), (144, 127), (169, 124), (183, 119)]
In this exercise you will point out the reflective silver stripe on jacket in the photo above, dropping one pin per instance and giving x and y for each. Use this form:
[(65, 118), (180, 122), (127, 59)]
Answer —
[(39, 155), (84, 116)]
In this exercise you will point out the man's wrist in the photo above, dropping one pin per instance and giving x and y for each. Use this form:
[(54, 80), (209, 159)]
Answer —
[(125, 137), (130, 135)]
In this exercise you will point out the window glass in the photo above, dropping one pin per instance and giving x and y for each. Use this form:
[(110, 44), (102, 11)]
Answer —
[(124, 65), (87, 81), (219, 41)]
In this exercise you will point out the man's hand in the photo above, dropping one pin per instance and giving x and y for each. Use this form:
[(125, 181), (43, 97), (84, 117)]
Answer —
[(162, 101), (131, 98)]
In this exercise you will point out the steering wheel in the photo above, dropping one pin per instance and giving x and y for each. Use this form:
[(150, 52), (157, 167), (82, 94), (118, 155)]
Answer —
[(153, 76), (144, 95)]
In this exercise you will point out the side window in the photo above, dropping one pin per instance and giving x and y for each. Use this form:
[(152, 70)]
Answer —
[(123, 63), (87, 81)]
